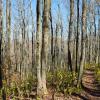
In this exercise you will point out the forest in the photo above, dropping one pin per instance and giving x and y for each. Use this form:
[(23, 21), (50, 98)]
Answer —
[(49, 49)]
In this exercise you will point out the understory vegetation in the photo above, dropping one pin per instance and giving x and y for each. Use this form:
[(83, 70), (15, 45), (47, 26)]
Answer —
[(97, 72), (60, 82)]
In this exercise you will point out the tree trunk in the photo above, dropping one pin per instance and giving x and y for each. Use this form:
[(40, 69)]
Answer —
[(38, 49), (83, 39), (45, 46), (52, 41), (77, 36), (0, 44), (1, 76), (70, 34), (8, 32)]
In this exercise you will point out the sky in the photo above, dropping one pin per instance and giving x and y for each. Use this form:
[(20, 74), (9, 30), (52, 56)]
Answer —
[(64, 10)]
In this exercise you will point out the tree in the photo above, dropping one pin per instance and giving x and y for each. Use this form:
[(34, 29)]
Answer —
[(70, 34), (38, 49), (52, 40), (32, 35), (77, 36), (83, 39), (8, 32), (1, 75), (0, 44), (98, 35), (45, 34)]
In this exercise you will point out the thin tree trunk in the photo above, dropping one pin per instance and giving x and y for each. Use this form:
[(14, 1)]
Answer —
[(33, 47), (38, 49), (52, 49), (0, 44), (56, 49), (8, 32), (95, 34), (61, 45), (77, 36), (70, 34), (1, 75), (98, 45), (83, 39)]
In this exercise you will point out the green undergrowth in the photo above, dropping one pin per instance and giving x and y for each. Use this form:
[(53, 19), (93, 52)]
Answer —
[(63, 81), (97, 72), (90, 66), (96, 68), (22, 88)]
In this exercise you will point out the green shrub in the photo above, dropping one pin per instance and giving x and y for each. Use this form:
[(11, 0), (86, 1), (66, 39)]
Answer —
[(63, 81), (97, 72), (16, 88), (89, 65)]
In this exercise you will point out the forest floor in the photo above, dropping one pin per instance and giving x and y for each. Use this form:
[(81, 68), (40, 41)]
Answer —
[(91, 89)]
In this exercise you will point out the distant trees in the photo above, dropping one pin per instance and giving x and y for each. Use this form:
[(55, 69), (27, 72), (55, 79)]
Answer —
[(17, 33)]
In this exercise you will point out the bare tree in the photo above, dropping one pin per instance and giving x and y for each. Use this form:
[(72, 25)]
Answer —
[(52, 39), (83, 39), (38, 49), (33, 47), (45, 34), (0, 44), (8, 34), (77, 36), (70, 34), (1, 73)]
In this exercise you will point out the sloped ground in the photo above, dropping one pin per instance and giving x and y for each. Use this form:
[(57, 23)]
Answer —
[(90, 85), (91, 89)]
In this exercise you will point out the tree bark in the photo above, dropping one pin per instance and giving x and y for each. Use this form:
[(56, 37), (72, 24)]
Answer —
[(52, 41), (8, 33), (77, 36), (83, 39), (0, 44), (45, 46), (1, 75), (70, 34), (38, 49)]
